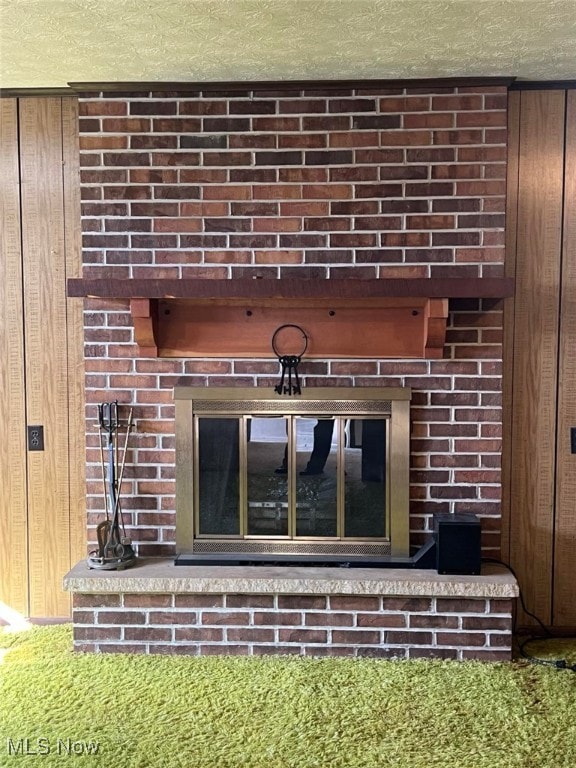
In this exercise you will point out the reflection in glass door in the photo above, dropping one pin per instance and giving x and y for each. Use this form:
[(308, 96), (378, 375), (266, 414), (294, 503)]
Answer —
[(267, 476), (365, 465), (316, 477), (218, 476)]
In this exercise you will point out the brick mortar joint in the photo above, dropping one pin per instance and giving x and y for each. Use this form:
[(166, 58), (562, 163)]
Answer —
[(202, 616)]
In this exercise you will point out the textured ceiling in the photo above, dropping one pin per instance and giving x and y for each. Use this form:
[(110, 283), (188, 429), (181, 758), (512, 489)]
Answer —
[(45, 43)]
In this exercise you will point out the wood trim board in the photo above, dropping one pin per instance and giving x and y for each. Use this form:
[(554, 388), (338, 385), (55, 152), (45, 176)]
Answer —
[(288, 85)]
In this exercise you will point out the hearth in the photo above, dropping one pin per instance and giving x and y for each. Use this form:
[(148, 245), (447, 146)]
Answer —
[(322, 476)]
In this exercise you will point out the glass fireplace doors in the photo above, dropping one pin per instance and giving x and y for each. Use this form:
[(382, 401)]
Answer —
[(313, 475)]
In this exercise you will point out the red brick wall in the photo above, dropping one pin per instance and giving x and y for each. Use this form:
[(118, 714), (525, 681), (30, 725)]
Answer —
[(316, 183), (310, 625)]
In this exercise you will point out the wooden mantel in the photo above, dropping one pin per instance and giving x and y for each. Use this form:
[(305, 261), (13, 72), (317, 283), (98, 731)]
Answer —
[(341, 318)]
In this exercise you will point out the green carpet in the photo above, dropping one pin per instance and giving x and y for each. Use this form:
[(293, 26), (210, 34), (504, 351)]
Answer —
[(276, 712)]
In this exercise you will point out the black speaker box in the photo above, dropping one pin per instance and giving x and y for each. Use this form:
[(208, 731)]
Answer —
[(458, 543)]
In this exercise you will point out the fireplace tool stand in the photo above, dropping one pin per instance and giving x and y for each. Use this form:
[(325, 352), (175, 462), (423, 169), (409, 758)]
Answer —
[(114, 547)]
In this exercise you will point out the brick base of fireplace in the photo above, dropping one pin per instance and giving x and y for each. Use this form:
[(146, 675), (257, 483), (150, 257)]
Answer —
[(385, 613)]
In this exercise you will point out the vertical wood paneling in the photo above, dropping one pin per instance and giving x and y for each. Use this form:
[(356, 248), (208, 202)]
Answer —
[(75, 332), (564, 613), (42, 494), (13, 522), (533, 425), (44, 271), (509, 306)]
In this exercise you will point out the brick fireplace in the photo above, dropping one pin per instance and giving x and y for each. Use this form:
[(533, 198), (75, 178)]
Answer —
[(321, 183)]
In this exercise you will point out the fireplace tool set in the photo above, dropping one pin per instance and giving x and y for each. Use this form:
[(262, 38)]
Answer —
[(114, 547)]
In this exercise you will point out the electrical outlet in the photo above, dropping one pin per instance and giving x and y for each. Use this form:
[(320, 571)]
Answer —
[(35, 438), (572, 439)]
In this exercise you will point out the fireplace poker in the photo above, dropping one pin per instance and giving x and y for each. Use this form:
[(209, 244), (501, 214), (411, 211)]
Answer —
[(117, 511)]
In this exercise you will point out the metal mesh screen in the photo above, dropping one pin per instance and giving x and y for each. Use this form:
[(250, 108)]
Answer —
[(292, 547), (294, 407)]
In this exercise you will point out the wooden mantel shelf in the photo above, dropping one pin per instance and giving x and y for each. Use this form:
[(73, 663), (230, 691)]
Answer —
[(248, 289), (401, 318)]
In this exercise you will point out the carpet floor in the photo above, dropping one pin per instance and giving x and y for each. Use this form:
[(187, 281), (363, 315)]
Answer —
[(58, 708)]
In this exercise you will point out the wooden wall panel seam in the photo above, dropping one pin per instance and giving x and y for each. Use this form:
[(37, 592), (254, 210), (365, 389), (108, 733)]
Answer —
[(512, 200), (75, 331)]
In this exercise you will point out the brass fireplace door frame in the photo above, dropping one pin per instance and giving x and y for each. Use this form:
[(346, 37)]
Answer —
[(392, 404)]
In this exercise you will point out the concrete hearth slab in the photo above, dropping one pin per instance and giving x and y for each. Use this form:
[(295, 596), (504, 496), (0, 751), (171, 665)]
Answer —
[(160, 575)]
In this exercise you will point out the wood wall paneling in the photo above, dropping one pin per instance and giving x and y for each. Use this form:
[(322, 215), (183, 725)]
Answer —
[(44, 275), (43, 259), (509, 305), (13, 514), (533, 427), (564, 604), (75, 332)]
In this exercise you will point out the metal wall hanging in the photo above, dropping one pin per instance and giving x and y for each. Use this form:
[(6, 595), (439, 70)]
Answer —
[(114, 547), (284, 342)]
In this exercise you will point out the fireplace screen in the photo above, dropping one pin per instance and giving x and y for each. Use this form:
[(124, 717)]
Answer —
[(322, 474)]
